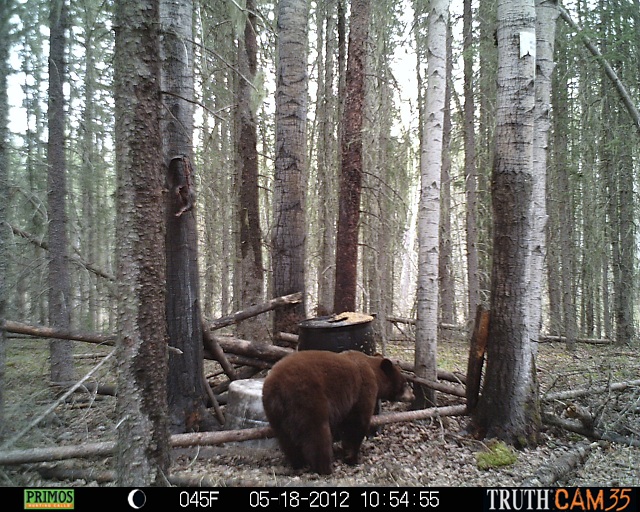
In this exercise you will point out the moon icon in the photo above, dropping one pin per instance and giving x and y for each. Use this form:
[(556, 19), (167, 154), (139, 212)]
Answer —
[(137, 499)]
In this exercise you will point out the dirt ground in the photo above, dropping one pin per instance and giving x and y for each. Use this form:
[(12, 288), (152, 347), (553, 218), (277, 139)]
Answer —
[(418, 453)]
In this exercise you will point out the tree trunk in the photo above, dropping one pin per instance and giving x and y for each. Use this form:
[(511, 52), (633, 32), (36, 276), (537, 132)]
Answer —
[(351, 175), (59, 281), (470, 172), (6, 10), (186, 393), (143, 436), (429, 211), (327, 162), (250, 265), (446, 260), (288, 251), (546, 16), (509, 406)]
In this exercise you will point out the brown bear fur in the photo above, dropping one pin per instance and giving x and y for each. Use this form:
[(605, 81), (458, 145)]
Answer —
[(314, 396)]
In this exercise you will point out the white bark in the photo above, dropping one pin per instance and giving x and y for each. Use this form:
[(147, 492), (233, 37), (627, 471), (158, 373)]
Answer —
[(429, 209), (546, 16)]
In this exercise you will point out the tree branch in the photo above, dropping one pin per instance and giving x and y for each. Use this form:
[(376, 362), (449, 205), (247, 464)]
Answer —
[(610, 72)]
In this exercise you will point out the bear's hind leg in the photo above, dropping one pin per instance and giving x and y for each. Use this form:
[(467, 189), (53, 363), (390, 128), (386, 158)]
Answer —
[(353, 431), (293, 452), (318, 449)]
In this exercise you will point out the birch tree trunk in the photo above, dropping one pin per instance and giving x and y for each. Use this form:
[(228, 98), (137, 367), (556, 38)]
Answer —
[(59, 280), (546, 16), (429, 209), (509, 405), (446, 263), (351, 176), (289, 230), (143, 456)]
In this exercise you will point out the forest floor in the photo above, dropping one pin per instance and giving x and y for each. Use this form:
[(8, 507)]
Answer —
[(417, 453)]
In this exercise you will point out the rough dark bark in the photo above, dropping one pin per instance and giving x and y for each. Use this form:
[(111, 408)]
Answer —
[(470, 169), (59, 281), (351, 177), (250, 265), (143, 456), (187, 395), (6, 7)]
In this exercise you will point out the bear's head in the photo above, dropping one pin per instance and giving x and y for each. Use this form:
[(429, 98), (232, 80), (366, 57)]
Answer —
[(392, 384)]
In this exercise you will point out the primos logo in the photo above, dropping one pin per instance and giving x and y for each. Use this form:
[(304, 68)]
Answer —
[(45, 499)]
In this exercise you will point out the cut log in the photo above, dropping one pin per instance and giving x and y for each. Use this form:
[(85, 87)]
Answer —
[(477, 349), (252, 311)]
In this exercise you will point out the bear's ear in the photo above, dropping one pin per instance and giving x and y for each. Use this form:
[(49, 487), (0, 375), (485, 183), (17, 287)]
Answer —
[(386, 366)]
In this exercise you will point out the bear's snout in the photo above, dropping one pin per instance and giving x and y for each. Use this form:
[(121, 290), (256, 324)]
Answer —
[(407, 394)]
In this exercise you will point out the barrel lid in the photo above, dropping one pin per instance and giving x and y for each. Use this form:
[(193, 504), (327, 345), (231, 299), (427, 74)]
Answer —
[(340, 320)]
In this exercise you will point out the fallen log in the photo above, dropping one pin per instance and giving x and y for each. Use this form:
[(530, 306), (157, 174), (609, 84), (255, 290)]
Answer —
[(252, 311), (214, 348), (559, 469), (252, 349), (411, 321), (421, 414), (591, 433), (439, 386), (577, 393), (14, 457), (442, 374), (563, 339), (51, 332)]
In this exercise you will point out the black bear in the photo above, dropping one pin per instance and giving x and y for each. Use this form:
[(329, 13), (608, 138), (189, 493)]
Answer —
[(312, 396)]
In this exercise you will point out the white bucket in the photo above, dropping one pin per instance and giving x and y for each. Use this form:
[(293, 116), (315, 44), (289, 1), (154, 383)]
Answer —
[(244, 410)]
